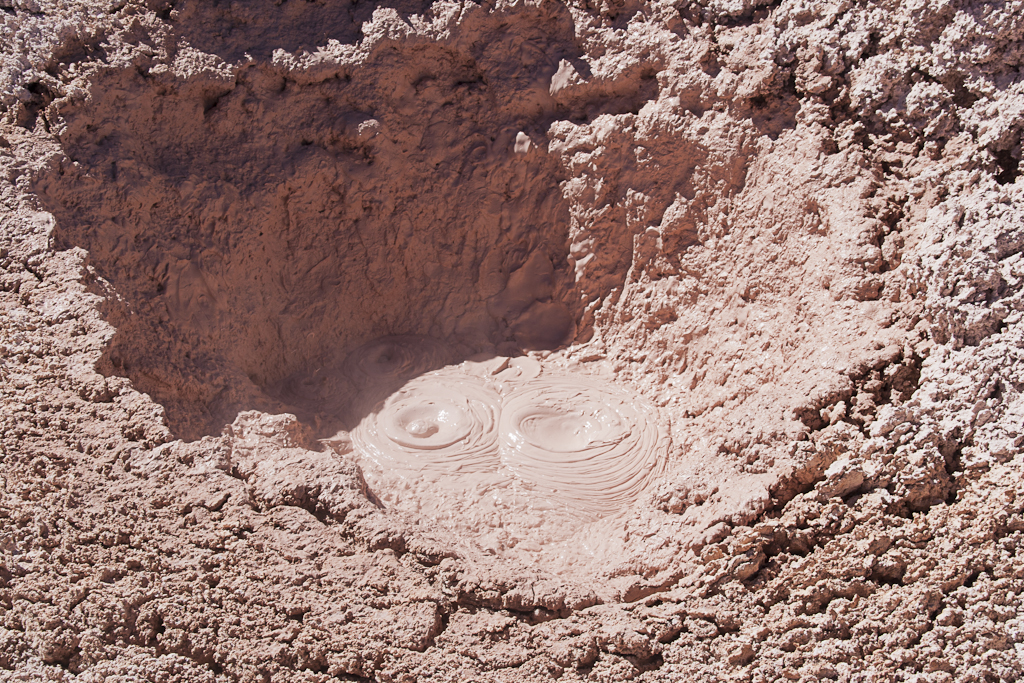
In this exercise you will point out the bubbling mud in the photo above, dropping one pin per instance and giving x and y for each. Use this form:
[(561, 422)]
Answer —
[(590, 445), (447, 424), (558, 440)]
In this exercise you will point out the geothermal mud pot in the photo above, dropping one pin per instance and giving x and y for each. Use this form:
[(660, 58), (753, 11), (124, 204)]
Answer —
[(523, 456), (511, 341)]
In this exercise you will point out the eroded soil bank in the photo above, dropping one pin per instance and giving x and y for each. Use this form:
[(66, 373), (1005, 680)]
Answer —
[(512, 341)]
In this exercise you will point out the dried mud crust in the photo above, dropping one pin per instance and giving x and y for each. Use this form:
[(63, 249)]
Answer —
[(796, 229)]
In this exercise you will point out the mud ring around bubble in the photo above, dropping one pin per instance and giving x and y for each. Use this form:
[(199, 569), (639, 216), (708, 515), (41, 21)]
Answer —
[(581, 443)]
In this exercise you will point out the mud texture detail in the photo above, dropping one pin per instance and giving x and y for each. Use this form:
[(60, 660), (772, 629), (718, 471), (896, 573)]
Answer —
[(511, 341)]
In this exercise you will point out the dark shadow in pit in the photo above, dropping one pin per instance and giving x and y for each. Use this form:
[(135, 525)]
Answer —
[(231, 29), (336, 398), (248, 236), (774, 114)]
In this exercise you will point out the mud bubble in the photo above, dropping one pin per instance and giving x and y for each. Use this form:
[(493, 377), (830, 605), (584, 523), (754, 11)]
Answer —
[(521, 432)]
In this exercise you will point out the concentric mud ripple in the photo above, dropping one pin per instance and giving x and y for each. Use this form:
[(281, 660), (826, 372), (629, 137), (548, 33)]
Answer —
[(585, 445), (582, 442), (436, 422), (514, 372)]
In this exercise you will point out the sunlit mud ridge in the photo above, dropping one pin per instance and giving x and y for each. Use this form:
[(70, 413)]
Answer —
[(569, 440)]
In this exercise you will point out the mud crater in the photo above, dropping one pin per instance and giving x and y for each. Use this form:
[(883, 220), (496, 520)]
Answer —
[(256, 230), (393, 239), (373, 255)]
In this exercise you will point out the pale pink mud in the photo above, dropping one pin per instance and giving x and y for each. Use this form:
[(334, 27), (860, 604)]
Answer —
[(520, 455)]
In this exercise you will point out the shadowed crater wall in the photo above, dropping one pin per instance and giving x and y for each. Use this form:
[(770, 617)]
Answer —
[(232, 30), (250, 229)]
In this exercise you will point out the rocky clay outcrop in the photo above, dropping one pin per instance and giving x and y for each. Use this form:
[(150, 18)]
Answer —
[(794, 229)]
